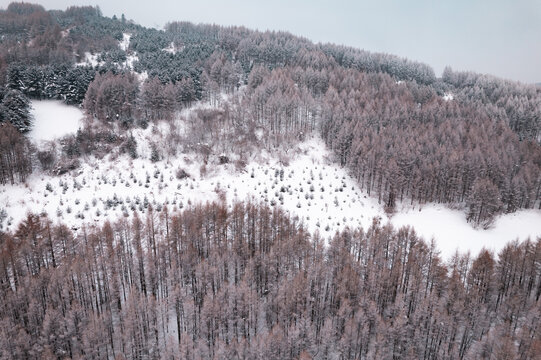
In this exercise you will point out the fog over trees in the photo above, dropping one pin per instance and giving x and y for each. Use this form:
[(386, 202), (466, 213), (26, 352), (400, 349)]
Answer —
[(251, 282)]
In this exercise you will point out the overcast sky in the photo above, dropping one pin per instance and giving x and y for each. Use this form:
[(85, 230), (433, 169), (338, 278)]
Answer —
[(500, 37)]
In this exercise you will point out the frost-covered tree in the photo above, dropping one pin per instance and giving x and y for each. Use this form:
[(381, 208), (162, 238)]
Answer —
[(157, 100), (17, 110), (15, 155), (112, 97)]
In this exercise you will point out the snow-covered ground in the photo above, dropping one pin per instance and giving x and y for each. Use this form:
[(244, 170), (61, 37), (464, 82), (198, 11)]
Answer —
[(131, 57), (125, 42), (311, 187), (448, 96), (320, 193), (90, 59), (451, 231), (170, 49), (53, 119)]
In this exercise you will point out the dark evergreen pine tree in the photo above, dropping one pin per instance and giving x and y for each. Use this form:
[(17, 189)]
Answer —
[(17, 108)]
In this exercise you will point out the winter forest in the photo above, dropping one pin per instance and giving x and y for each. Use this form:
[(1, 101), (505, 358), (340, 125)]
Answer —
[(246, 279)]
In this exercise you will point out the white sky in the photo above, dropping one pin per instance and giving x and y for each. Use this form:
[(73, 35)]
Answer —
[(500, 37)]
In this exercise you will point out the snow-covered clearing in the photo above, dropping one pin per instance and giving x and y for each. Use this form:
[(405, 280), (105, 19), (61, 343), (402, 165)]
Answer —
[(311, 187), (451, 231), (53, 119), (130, 59)]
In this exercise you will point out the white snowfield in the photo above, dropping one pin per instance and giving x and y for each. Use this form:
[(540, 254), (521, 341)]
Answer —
[(311, 187), (452, 232), (53, 119)]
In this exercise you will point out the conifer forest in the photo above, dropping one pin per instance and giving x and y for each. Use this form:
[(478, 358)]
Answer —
[(245, 278)]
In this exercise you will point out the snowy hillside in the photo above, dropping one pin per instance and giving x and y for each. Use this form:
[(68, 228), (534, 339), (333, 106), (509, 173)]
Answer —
[(311, 187)]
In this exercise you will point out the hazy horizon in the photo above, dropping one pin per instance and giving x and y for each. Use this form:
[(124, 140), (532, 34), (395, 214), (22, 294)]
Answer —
[(497, 37)]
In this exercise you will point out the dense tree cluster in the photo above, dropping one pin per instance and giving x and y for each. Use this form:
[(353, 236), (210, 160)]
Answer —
[(30, 35), (91, 32), (249, 282), (15, 109), (158, 101), (15, 155), (400, 140), (40, 47), (280, 103), (60, 82), (120, 97), (112, 97), (395, 66), (403, 141)]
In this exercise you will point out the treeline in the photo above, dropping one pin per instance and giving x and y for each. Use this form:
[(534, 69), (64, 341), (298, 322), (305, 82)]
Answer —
[(120, 98), (59, 82), (249, 282)]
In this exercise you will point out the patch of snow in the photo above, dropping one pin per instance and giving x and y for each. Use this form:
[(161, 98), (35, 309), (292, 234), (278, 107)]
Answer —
[(452, 232), (90, 59), (125, 42), (171, 48), (130, 59), (311, 187), (53, 119), (142, 76), (259, 134), (448, 96)]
